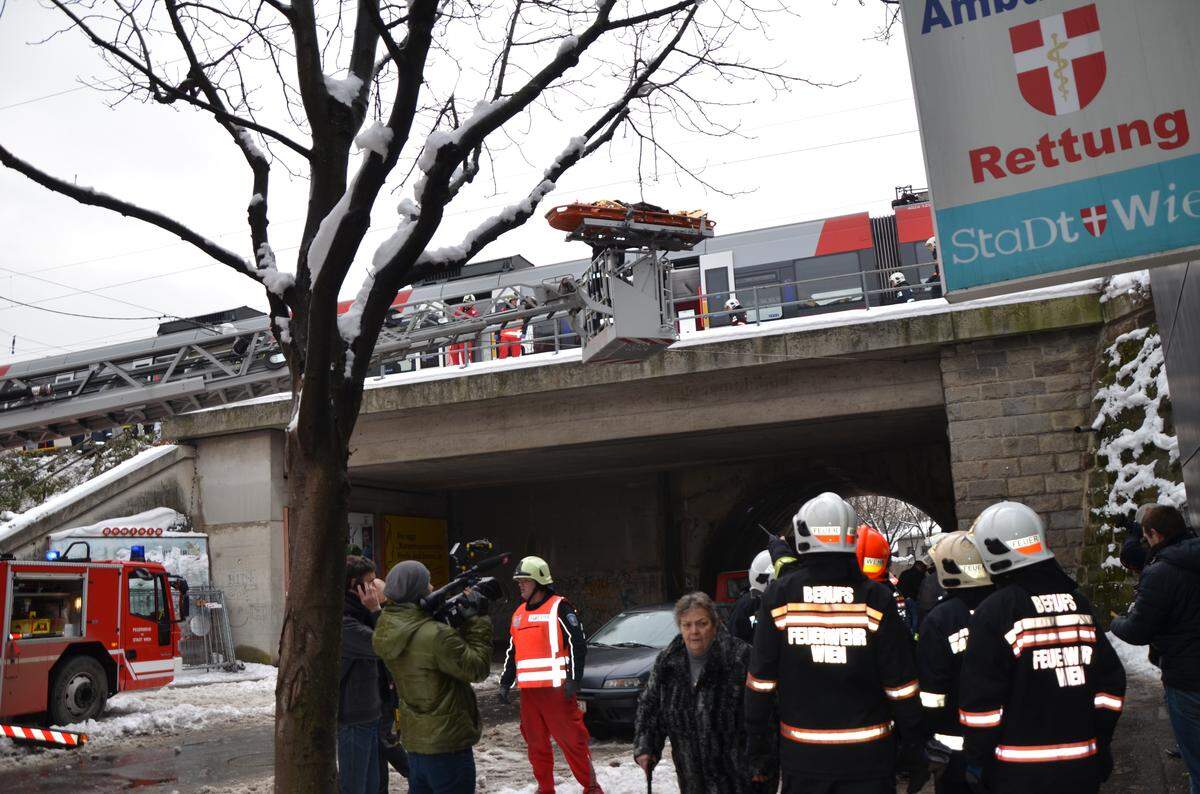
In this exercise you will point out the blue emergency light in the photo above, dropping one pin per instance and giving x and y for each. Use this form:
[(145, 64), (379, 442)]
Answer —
[(137, 553), (53, 555)]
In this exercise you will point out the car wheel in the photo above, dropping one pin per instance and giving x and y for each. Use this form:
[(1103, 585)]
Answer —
[(597, 728), (78, 692)]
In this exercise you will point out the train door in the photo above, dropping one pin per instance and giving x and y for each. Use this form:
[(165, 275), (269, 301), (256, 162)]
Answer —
[(716, 285)]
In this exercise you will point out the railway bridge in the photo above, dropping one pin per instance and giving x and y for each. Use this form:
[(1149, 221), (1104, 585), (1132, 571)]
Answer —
[(638, 481)]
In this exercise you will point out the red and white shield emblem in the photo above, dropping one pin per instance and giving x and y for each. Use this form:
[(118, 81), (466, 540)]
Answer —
[(1095, 219), (1060, 60)]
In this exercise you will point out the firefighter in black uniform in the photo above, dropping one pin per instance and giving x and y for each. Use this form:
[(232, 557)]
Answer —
[(1041, 687), (831, 650), (744, 614), (940, 651)]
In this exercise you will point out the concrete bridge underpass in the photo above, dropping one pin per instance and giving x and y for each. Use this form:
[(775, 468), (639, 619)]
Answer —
[(640, 481)]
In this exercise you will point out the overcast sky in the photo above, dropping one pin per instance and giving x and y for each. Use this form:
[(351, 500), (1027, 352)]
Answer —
[(808, 154)]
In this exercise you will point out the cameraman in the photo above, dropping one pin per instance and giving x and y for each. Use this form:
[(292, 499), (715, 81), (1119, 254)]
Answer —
[(433, 666), (1166, 616)]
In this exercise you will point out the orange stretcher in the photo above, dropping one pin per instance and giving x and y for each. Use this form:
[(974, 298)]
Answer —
[(569, 217)]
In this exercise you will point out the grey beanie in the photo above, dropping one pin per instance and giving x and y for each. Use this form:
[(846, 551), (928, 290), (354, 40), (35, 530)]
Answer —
[(407, 582)]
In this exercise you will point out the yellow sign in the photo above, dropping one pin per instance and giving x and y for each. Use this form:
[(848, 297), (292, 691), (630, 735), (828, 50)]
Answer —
[(420, 539)]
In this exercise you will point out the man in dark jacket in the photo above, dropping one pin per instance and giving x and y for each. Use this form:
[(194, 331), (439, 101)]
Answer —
[(831, 652), (433, 666), (1166, 616), (694, 698), (358, 700), (1041, 687)]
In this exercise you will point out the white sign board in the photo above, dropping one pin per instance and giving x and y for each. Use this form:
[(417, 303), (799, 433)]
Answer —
[(1058, 136)]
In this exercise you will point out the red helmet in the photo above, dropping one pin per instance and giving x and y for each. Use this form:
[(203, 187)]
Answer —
[(874, 554)]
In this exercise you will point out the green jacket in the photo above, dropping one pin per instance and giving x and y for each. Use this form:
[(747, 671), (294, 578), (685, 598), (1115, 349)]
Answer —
[(434, 666)]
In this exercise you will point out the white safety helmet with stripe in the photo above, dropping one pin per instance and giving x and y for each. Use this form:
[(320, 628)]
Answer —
[(1010, 535), (762, 571), (825, 523), (958, 563), (896, 278), (534, 568)]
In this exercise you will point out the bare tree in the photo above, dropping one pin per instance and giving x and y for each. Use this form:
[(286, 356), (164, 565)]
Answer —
[(297, 89), (895, 519)]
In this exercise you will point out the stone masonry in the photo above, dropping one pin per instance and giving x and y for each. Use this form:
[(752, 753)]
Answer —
[(1012, 406)]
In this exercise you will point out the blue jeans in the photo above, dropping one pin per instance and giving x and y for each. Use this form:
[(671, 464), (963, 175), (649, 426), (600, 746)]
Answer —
[(442, 773), (358, 758), (1184, 709)]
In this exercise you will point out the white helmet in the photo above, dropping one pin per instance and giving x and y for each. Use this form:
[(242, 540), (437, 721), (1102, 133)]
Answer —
[(762, 571), (468, 299), (896, 278), (957, 562), (931, 243), (733, 303), (825, 523), (1010, 535)]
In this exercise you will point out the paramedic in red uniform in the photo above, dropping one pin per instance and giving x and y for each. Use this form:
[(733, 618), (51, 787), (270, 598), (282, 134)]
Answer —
[(460, 352), (545, 658)]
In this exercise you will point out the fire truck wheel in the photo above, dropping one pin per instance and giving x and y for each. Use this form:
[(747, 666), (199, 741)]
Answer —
[(78, 692)]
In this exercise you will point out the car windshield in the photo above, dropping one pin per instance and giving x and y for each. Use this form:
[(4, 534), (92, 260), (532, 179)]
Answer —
[(653, 629)]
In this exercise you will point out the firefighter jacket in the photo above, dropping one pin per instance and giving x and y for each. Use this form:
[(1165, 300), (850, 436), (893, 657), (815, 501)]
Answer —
[(830, 649), (1041, 687), (940, 650), (744, 616), (546, 644)]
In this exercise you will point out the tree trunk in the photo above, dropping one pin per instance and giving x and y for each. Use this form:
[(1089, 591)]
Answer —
[(306, 695)]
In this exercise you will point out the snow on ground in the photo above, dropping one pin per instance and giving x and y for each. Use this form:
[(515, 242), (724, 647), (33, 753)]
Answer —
[(1136, 659), (253, 672), (176, 709), (503, 768)]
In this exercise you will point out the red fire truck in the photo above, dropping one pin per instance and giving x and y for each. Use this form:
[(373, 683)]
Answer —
[(76, 631)]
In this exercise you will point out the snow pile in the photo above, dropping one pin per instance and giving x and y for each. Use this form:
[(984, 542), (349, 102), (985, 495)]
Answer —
[(1136, 659), (50, 506), (375, 138), (174, 709), (617, 776), (163, 518), (252, 672), (249, 143), (345, 89), (1136, 283)]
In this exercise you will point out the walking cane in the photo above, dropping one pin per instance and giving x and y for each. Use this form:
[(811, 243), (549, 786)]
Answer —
[(649, 776)]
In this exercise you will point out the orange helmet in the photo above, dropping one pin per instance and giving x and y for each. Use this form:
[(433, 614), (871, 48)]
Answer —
[(873, 553)]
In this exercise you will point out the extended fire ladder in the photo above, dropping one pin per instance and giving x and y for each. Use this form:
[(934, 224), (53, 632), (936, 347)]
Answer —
[(620, 306)]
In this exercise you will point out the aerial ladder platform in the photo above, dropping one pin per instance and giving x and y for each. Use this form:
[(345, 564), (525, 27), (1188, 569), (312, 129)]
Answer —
[(621, 307)]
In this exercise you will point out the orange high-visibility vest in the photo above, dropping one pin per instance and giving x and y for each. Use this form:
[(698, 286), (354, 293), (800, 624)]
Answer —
[(538, 645)]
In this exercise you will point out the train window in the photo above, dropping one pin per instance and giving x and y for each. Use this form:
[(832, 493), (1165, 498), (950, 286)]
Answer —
[(829, 281)]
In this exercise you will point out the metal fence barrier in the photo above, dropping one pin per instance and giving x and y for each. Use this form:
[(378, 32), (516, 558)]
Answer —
[(207, 641)]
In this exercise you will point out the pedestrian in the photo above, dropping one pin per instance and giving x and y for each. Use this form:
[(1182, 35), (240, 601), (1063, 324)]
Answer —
[(460, 353), (831, 651), (1166, 616), (744, 614), (694, 698), (940, 649), (358, 694), (737, 315), (433, 667), (874, 556), (900, 291), (934, 281), (909, 587), (1041, 687), (545, 658)]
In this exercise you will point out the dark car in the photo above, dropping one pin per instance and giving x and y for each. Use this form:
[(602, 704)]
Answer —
[(619, 659)]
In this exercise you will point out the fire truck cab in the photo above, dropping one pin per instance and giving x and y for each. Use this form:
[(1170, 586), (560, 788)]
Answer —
[(77, 631)]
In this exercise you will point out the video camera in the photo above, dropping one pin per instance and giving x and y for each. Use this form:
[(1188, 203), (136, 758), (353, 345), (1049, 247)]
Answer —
[(450, 603)]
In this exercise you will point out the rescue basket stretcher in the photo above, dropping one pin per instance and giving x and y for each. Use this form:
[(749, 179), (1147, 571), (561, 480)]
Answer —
[(602, 222)]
